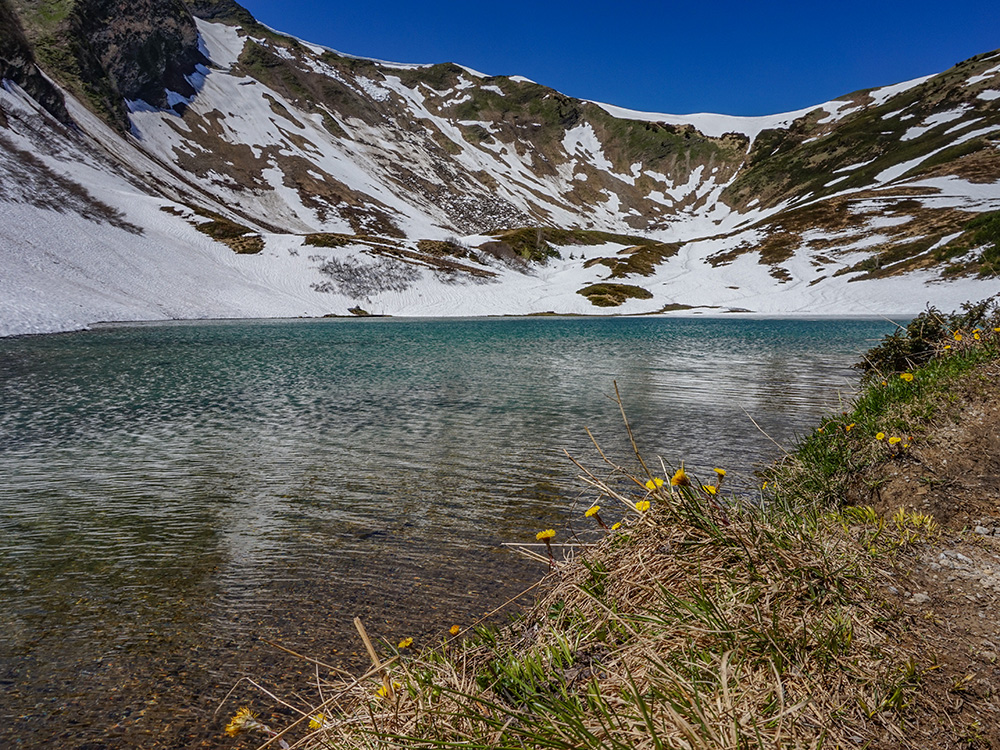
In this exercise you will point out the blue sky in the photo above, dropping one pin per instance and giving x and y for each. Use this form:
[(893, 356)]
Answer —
[(740, 58)]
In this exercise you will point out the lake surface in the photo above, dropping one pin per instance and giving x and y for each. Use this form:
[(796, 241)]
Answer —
[(170, 494)]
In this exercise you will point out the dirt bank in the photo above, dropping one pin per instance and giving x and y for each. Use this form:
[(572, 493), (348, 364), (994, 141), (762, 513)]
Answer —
[(948, 591)]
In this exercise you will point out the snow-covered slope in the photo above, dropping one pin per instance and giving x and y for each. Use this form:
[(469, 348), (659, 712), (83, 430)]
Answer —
[(285, 179)]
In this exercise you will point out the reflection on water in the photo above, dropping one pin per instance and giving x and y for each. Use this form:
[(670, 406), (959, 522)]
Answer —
[(170, 494)]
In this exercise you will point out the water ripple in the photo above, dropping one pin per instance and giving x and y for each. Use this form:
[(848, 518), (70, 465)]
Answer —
[(171, 493)]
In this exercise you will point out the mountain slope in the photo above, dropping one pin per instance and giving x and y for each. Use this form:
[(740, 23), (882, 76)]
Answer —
[(214, 167)]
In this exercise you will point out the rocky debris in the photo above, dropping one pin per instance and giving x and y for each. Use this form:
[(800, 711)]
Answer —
[(978, 563), (987, 527)]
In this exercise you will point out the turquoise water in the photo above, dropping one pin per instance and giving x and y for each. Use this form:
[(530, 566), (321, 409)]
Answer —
[(170, 494)]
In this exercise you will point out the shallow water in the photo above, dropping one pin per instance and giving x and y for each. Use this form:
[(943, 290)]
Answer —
[(170, 494)]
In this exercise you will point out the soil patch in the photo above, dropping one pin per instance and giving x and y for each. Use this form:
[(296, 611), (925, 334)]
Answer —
[(949, 591)]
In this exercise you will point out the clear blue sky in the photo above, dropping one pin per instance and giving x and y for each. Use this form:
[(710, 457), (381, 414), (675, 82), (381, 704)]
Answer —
[(745, 58)]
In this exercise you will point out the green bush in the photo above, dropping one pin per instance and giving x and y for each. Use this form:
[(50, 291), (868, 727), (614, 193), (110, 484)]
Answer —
[(925, 335)]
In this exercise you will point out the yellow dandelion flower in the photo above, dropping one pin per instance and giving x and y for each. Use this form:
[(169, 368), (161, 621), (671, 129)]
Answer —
[(592, 511), (976, 336), (616, 526), (642, 506), (907, 376), (547, 534), (894, 440), (996, 330), (654, 484), (243, 721), (848, 428), (710, 489), (880, 436), (680, 478), (764, 486), (819, 429), (947, 346), (316, 722), (720, 472), (454, 630), (406, 643), (383, 690), (958, 337)]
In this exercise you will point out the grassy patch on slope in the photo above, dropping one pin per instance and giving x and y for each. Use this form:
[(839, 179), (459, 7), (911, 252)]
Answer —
[(536, 243), (613, 295), (908, 378)]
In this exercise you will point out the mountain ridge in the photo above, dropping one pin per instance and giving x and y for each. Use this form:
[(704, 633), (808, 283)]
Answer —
[(252, 141)]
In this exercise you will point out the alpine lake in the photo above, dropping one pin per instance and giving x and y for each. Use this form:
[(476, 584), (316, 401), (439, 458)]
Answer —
[(174, 496)]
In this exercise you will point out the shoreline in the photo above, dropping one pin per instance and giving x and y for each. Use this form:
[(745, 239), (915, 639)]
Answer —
[(680, 315)]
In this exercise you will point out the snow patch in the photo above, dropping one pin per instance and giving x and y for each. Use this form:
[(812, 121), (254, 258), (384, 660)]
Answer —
[(372, 88), (838, 110), (881, 95), (581, 141), (932, 121), (222, 44), (985, 76), (714, 126), (852, 167)]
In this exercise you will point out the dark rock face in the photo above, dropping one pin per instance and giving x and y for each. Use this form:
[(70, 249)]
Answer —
[(222, 10), (17, 63), (142, 47), (103, 51)]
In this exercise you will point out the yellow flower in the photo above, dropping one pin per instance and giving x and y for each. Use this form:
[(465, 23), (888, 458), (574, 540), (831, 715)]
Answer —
[(958, 337), (547, 534), (316, 721), (947, 346), (592, 511), (710, 489), (848, 428), (642, 506), (454, 630), (894, 440), (880, 436), (975, 336), (996, 330), (720, 472), (405, 643), (654, 484), (680, 478), (907, 376), (819, 429), (243, 721), (764, 487), (382, 692), (617, 526)]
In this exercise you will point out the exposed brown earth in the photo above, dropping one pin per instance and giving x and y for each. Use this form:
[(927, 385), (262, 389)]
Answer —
[(948, 592)]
